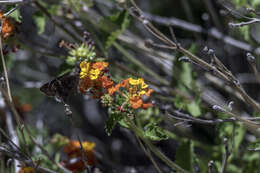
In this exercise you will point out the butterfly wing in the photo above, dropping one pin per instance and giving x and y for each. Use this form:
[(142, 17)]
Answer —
[(49, 89), (61, 87), (67, 86)]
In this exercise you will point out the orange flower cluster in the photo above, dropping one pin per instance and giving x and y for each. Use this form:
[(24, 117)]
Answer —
[(27, 170), (135, 90), (75, 162), (93, 76), (8, 28)]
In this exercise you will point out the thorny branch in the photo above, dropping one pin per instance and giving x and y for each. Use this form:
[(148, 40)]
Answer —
[(188, 118), (217, 69)]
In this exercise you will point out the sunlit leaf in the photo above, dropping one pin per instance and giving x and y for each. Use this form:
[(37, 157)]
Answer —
[(40, 21), (194, 108), (114, 26), (154, 132)]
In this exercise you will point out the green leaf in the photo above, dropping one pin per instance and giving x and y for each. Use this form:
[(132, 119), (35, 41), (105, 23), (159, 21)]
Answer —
[(111, 122), (29, 144), (40, 21), (194, 108), (245, 31), (239, 135), (124, 123), (58, 141), (16, 15), (154, 132), (53, 9), (186, 75), (251, 161), (184, 156), (114, 26)]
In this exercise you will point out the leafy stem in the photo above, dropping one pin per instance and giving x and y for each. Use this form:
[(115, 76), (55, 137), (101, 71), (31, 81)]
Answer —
[(138, 132)]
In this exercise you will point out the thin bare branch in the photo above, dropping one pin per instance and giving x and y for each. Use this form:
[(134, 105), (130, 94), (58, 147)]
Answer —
[(225, 157), (11, 1), (250, 22)]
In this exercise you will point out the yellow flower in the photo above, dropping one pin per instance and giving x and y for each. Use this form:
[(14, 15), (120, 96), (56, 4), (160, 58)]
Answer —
[(139, 81), (84, 69), (94, 73), (134, 81), (88, 146), (132, 91), (143, 84), (142, 92)]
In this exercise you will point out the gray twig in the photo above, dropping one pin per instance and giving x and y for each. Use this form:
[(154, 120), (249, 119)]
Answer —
[(252, 62), (211, 166), (250, 22), (225, 157), (213, 32), (11, 1)]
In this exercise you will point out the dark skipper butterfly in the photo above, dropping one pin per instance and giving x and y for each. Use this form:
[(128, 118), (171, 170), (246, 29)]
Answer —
[(62, 87)]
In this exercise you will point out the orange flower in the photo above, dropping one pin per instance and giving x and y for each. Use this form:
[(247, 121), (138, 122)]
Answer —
[(92, 77), (114, 89), (106, 82), (27, 170), (111, 90), (74, 165), (148, 93), (147, 105), (8, 28), (125, 83), (73, 148), (100, 65), (136, 102), (85, 84), (75, 162), (27, 107)]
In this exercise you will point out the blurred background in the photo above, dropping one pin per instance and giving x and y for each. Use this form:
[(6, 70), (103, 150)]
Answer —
[(179, 86)]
